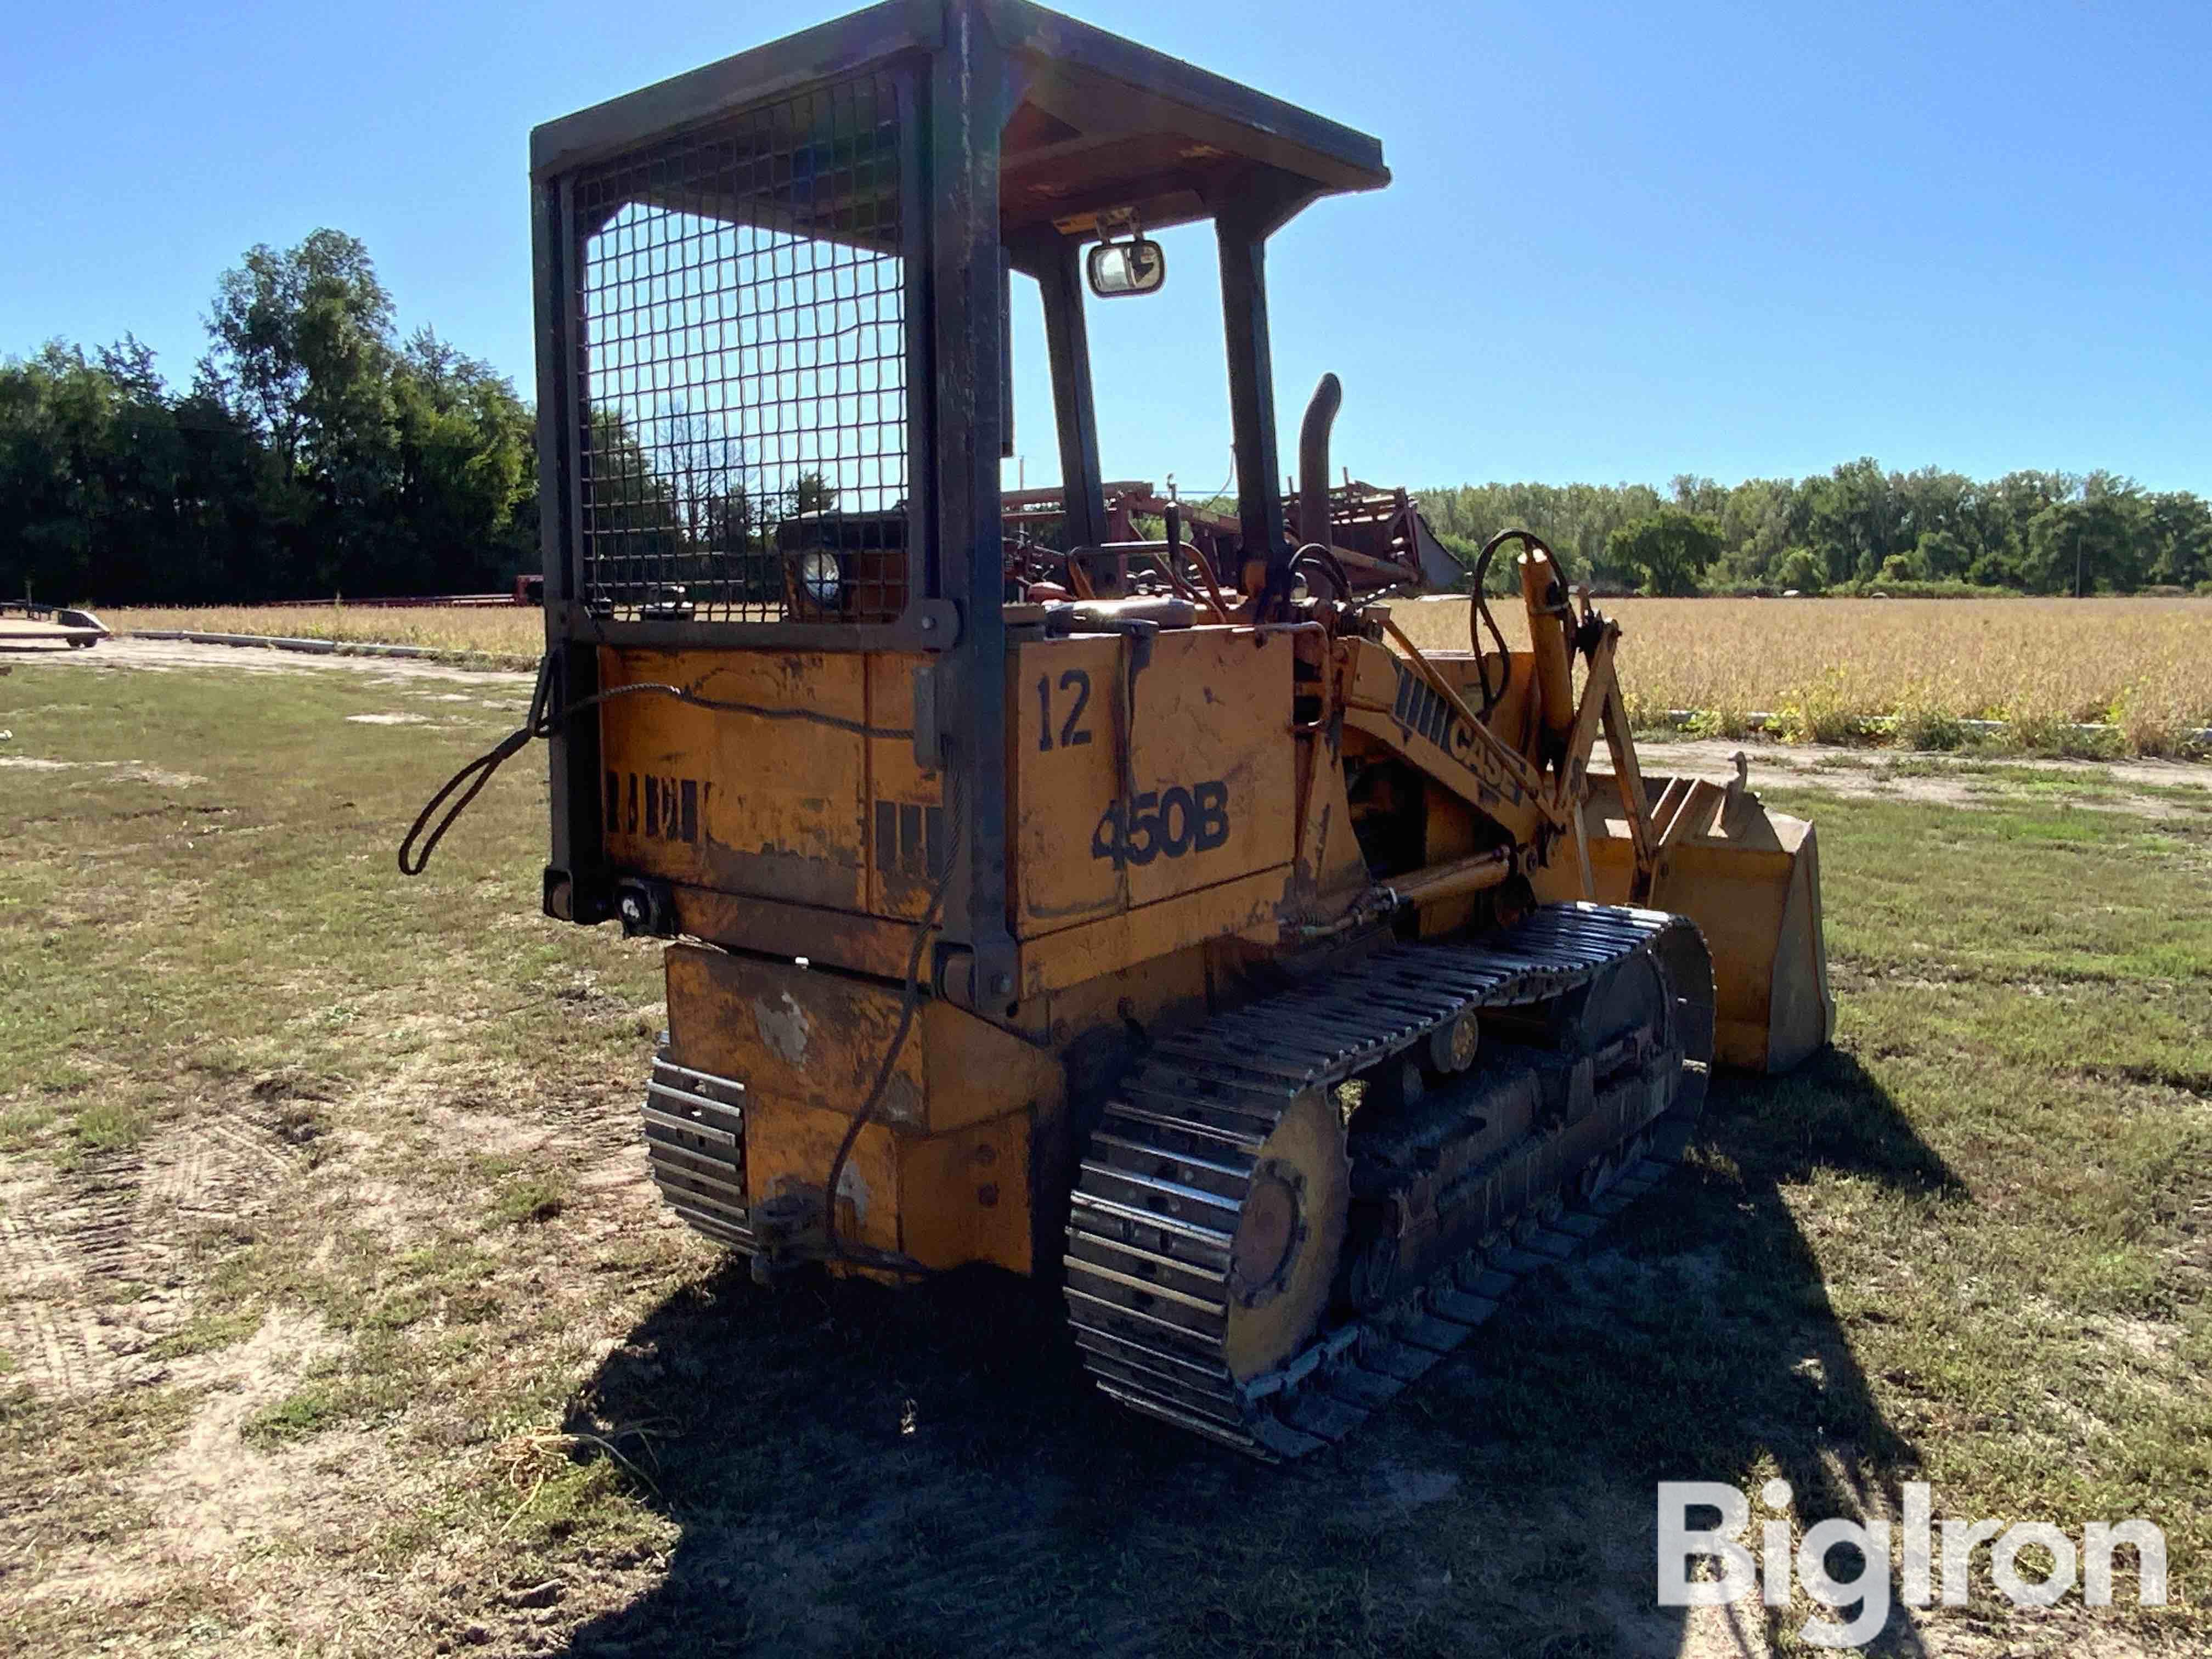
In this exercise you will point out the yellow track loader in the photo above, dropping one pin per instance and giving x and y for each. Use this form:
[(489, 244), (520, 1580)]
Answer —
[(1145, 914)]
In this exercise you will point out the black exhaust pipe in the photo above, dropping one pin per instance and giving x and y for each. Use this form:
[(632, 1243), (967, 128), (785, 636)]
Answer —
[(1313, 461)]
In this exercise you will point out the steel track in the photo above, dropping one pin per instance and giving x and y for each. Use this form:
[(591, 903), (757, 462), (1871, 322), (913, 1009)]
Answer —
[(695, 1145), (1160, 1190)]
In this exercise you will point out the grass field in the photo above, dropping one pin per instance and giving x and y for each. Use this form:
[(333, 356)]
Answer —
[(1827, 667), (339, 1318)]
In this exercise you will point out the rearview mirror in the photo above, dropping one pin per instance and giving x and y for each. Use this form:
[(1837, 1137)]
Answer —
[(1133, 267)]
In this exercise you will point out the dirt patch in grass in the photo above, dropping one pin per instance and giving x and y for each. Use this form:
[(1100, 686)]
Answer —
[(121, 771), (2159, 790), (164, 655), (220, 1489)]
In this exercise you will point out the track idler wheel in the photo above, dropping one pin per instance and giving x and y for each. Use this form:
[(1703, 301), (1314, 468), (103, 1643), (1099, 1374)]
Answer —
[(1289, 1235)]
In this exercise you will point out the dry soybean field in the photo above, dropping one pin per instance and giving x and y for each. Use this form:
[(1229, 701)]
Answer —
[(1826, 667), (514, 632), (2143, 665)]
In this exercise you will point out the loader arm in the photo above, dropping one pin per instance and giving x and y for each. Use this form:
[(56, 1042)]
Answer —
[(1747, 875), (1403, 699)]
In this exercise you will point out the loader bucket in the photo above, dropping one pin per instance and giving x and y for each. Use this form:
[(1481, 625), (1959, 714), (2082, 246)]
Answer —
[(1750, 878)]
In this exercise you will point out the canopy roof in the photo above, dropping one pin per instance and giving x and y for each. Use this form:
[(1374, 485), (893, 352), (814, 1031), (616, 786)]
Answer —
[(1094, 124)]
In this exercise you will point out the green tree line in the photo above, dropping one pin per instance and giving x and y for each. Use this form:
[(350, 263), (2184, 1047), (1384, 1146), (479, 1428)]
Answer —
[(1856, 527), (313, 452)]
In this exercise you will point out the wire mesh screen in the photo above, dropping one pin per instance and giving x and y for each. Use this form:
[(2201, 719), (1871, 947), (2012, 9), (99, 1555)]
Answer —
[(743, 455)]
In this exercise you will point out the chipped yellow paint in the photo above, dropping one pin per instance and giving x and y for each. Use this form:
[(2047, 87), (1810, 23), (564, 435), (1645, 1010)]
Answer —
[(772, 807), (787, 810), (789, 1148)]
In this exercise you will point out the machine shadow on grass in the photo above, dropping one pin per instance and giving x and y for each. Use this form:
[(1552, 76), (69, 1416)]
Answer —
[(862, 1471)]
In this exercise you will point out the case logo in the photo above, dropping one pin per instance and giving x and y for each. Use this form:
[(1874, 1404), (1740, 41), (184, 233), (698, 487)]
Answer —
[(656, 807)]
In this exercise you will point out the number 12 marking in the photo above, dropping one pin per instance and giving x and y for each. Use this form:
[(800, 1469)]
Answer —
[(1072, 734)]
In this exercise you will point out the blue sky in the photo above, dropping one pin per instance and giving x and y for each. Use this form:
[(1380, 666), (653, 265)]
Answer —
[(1626, 240)]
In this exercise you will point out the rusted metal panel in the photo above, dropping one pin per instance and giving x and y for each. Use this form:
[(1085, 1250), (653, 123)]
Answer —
[(789, 1147), (791, 1033), (833, 938), (816, 1038), (942, 1170), (826, 823), (944, 1201), (837, 816)]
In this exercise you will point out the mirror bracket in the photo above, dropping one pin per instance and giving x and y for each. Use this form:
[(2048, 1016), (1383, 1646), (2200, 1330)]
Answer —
[(1117, 270)]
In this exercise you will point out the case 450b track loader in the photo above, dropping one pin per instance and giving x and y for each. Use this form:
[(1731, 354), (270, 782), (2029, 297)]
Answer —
[(1147, 916)]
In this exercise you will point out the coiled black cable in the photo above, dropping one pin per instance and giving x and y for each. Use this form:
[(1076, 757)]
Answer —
[(1480, 616)]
